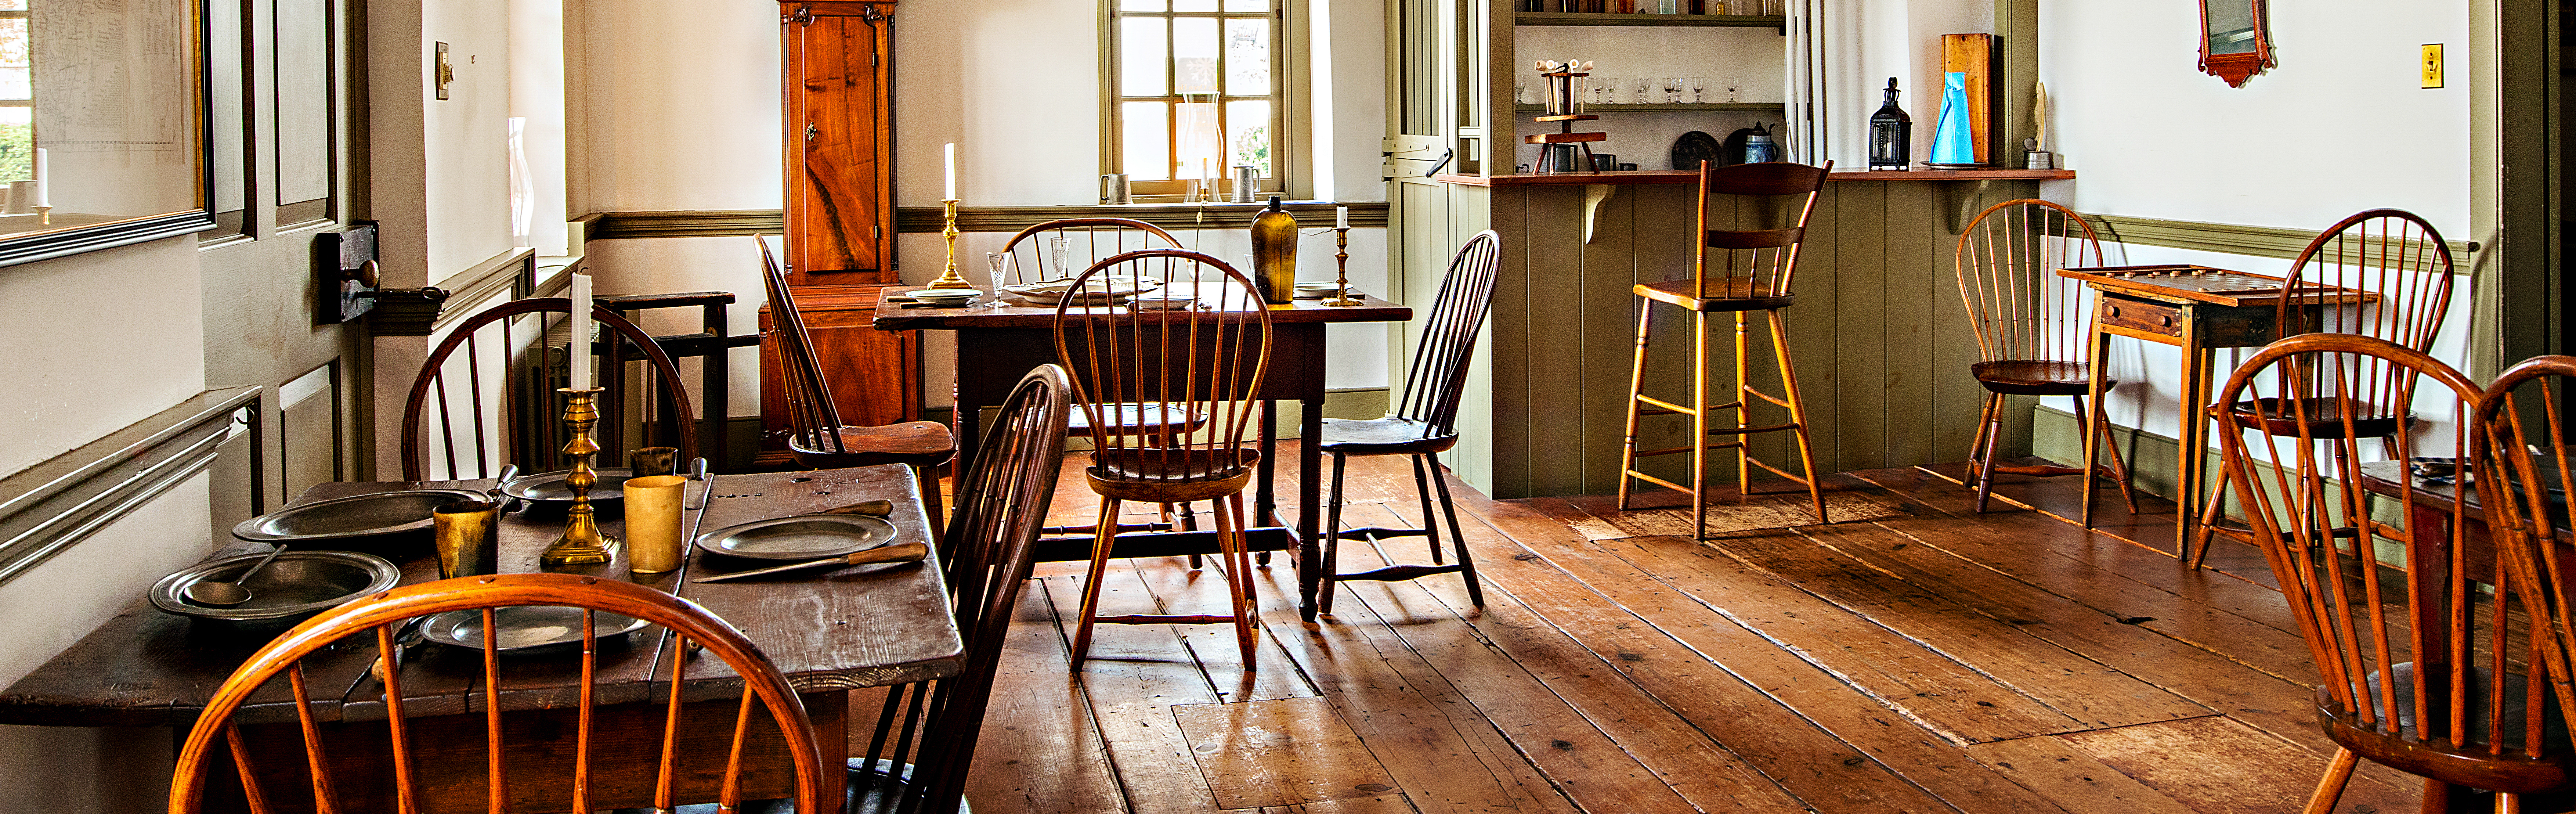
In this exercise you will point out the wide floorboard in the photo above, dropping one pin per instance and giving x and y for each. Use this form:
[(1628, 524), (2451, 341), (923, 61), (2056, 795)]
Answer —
[(1912, 656)]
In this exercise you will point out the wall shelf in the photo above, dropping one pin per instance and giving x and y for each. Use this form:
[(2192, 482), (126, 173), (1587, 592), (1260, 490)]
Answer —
[(1682, 107), (1717, 20)]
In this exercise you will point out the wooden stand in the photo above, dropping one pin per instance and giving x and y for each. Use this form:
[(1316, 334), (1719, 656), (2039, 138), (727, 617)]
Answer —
[(1565, 110)]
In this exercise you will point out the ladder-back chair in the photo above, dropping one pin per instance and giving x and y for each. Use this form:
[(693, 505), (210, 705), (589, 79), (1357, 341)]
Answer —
[(2423, 670), (1002, 499), (479, 406), (527, 740), (1423, 425), (816, 436), (2031, 327), (1740, 270), (2402, 268), (1205, 362)]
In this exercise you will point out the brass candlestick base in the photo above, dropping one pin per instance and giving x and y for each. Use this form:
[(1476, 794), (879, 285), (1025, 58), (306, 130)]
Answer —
[(1342, 263), (581, 543), (949, 278), (44, 215)]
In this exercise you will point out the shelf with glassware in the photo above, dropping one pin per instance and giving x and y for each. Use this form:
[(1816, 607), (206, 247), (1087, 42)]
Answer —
[(1675, 107), (1641, 19)]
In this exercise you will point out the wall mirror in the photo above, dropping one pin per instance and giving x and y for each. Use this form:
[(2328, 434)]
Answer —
[(2234, 42), (102, 133)]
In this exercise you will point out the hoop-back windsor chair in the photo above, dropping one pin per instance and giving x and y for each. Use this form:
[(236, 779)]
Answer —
[(525, 414), (2030, 324)]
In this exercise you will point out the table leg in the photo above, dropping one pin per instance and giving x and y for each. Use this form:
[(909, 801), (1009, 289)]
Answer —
[(1310, 468), (2096, 350), (2190, 434), (962, 423), (1265, 496)]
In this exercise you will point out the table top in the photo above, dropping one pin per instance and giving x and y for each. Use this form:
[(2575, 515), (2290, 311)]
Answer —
[(893, 316), (827, 630), (2189, 283)]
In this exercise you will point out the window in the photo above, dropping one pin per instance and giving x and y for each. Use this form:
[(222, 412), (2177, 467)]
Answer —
[(1192, 89), (17, 95)]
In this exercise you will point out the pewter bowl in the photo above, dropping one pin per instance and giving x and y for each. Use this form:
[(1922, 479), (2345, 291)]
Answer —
[(294, 588), (352, 517)]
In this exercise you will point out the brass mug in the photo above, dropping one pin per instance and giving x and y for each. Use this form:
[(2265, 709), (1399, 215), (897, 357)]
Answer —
[(650, 461), (468, 535), (653, 541)]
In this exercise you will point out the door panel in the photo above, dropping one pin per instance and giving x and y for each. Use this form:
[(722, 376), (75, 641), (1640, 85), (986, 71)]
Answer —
[(840, 201)]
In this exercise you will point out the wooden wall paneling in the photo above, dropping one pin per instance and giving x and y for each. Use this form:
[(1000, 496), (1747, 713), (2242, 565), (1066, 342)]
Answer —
[(1860, 354), (1507, 424), (840, 187), (1470, 211), (1915, 241), (1814, 330), (308, 429), (1595, 382), (1661, 216), (1553, 318)]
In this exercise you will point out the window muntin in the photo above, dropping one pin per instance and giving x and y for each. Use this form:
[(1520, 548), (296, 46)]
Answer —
[(1195, 92)]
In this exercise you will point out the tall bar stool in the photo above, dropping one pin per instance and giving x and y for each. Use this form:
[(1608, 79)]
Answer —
[(2397, 260), (1203, 362), (2030, 323), (1739, 272), (1422, 426)]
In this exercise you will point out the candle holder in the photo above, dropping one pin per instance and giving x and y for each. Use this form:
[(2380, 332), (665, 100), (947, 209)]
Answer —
[(581, 543), (44, 215), (949, 278), (1342, 270)]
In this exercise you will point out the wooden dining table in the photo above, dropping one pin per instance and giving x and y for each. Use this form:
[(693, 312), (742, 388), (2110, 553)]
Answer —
[(996, 346), (829, 631)]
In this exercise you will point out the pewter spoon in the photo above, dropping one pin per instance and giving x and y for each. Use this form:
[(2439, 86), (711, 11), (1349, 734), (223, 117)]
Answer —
[(230, 593)]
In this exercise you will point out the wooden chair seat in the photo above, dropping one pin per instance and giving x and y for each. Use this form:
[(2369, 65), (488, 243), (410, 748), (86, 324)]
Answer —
[(912, 443), (1384, 436), (1734, 294), (1171, 476), (2324, 417), (1135, 420), (2470, 764), (2035, 377)]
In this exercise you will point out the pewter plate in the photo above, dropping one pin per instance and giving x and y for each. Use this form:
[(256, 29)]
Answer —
[(524, 628), (548, 487), (803, 537), (350, 517), (297, 586)]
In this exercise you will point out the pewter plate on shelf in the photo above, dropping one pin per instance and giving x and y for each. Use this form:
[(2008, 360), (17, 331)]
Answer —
[(524, 629), (802, 537)]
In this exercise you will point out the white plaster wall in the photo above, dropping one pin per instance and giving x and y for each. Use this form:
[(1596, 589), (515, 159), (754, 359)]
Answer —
[(2340, 126), (1869, 41), (537, 94), (71, 382), (466, 141), (74, 769), (680, 106)]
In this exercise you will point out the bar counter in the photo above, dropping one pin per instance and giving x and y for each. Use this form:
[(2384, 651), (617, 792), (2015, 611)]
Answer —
[(1880, 339)]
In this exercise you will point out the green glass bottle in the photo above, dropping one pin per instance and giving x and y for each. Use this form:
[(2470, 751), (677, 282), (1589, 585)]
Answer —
[(1274, 253)]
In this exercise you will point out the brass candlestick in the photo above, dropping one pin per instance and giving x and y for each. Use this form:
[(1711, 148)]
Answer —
[(581, 543), (44, 215), (1342, 265), (949, 278)]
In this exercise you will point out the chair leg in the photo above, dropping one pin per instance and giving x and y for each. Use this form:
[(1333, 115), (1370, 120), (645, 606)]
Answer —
[(1457, 537), (1106, 535), (1238, 575), (1985, 414), (1699, 425), (1743, 411), (1331, 571), (1176, 520), (2092, 421), (1993, 433), (2330, 787), (1636, 387), (1797, 413), (1422, 489)]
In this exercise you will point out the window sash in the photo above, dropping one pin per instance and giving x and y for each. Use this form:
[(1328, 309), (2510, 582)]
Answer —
[(1115, 99)]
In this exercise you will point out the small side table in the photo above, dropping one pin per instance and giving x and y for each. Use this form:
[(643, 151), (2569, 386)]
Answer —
[(2197, 309)]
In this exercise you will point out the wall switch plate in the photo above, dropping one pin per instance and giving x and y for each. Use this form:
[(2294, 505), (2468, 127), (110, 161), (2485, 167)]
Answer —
[(446, 72), (2433, 65)]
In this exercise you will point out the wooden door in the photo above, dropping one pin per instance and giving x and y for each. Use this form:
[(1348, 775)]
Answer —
[(840, 142)]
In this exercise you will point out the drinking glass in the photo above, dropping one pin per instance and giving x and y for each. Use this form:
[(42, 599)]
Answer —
[(1672, 89), (1644, 86), (1733, 84), (1605, 90), (1697, 85), (1520, 90)]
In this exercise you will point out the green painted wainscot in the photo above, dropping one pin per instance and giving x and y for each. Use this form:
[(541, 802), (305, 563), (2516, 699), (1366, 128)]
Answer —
[(1879, 337)]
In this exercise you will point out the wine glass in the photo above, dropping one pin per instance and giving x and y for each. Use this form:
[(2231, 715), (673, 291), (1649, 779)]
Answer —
[(1673, 89), (1520, 90), (1643, 86), (1605, 90), (1733, 84), (1698, 84)]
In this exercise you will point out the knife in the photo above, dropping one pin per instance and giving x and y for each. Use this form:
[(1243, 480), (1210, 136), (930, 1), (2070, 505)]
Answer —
[(906, 552)]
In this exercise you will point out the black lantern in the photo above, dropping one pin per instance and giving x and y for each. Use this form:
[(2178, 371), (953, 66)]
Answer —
[(1891, 135)]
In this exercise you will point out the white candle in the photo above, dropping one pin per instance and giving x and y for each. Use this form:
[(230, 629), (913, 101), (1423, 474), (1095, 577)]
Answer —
[(42, 178), (581, 331), (1341, 217), (952, 172)]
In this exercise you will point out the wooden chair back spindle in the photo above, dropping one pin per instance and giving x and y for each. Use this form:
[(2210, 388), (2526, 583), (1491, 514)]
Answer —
[(1062, 249), (2394, 255), (2521, 468), (813, 418), (1764, 208), (2423, 670), (478, 362), (1438, 379), (377, 618), (2007, 270), (1182, 363)]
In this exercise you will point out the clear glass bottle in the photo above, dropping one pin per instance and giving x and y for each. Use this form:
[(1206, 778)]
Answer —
[(1274, 253)]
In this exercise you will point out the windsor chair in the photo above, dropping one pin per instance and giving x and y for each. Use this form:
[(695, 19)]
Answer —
[(517, 756), (2400, 264), (1739, 272), (2030, 324), (1423, 425), (816, 436), (1206, 363), (1064, 248), (508, 412), (2423, 671)]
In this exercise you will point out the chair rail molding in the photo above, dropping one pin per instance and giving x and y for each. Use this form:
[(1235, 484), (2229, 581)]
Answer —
[(926, 219), (2228, 238), (52, 506)]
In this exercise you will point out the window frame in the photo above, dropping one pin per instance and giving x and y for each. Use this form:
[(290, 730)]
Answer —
[(1287, 111)]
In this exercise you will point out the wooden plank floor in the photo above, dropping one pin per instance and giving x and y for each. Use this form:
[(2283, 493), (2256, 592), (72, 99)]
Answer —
[(1914, 656)]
